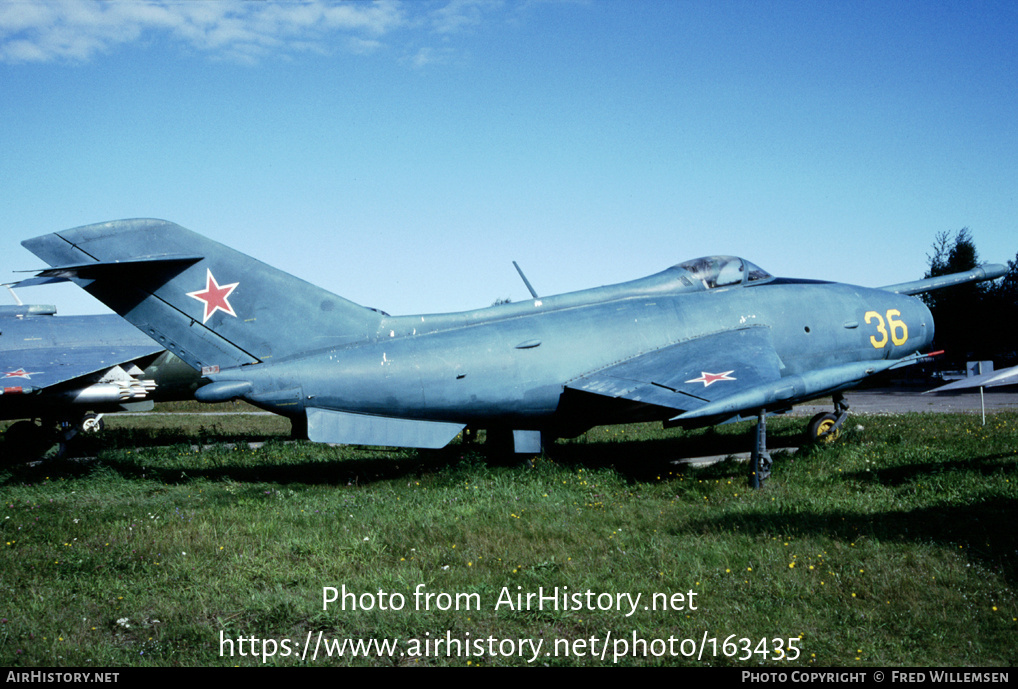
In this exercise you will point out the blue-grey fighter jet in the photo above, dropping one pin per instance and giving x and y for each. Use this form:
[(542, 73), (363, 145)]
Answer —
[(706, 341), (69, 370)]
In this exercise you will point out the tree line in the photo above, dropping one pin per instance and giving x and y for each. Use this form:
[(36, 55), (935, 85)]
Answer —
[(974, 322)]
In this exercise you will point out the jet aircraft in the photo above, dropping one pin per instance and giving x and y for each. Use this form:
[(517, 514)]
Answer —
[(69, 370), (706, 341)]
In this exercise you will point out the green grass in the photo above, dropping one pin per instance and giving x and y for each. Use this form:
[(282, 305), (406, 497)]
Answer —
[(894, 547)]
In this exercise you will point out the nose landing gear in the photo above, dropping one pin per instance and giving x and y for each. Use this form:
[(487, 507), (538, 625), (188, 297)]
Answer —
[(825, 427), (30, 440)]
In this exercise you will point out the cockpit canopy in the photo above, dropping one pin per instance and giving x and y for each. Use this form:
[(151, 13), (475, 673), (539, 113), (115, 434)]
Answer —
[(723, 271)]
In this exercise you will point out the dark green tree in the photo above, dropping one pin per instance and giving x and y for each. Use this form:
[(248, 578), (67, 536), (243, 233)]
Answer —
[(1001, 312), (952, 256), (969, 325)]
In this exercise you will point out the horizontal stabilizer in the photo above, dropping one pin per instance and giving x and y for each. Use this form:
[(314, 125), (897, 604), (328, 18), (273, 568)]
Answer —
[(328, 426), (91, 271)]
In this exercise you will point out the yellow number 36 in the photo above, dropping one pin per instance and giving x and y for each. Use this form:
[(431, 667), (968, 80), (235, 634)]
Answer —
[(899, 331)]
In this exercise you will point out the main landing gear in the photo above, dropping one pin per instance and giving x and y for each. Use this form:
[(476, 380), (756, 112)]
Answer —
[(760, 461), (29, 440), (824, 428)]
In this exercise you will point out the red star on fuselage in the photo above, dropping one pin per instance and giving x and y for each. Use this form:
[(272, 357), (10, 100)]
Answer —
[(708, 378), (214, 296)]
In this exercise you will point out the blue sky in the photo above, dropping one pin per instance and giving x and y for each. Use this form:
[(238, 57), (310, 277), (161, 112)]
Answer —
[(402, 154)]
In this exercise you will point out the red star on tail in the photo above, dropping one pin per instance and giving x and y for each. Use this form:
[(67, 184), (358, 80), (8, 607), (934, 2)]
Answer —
[(214, 296)]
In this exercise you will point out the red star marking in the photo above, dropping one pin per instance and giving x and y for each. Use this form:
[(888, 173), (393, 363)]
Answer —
[(20, 373), (708, 378), (214, 296)]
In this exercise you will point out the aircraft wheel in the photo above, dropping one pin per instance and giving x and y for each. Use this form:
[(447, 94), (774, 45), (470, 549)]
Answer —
[(92, 423), (819, 429)]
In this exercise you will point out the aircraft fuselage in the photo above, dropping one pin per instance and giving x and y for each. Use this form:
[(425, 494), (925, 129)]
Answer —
[(510, 363)]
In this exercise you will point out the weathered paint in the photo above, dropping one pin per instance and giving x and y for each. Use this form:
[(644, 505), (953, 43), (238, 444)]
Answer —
[(635, 350)]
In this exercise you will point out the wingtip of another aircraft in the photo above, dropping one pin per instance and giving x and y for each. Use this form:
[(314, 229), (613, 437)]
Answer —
[(981, 273)]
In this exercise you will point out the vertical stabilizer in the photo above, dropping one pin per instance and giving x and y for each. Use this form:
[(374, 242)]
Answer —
[(212, 306)]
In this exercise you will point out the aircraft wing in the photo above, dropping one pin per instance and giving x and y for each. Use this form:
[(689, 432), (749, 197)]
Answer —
[(987, 271), (689, 375), (35, 369)]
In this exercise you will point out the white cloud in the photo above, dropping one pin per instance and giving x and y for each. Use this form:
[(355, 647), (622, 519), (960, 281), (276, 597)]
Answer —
[(424, 57), (461, 14), (241, 30), (77, 30), (362, 46)]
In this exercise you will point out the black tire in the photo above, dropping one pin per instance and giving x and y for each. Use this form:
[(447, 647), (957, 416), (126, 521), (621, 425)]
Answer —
[(818, 431), (25, 441), (92, 423)]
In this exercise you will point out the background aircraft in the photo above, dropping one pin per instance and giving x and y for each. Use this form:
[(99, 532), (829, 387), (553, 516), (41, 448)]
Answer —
[(993, 379), (706, 341), (66, 371)]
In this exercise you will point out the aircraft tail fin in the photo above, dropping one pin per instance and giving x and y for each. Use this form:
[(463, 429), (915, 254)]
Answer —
[(212, 306)]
